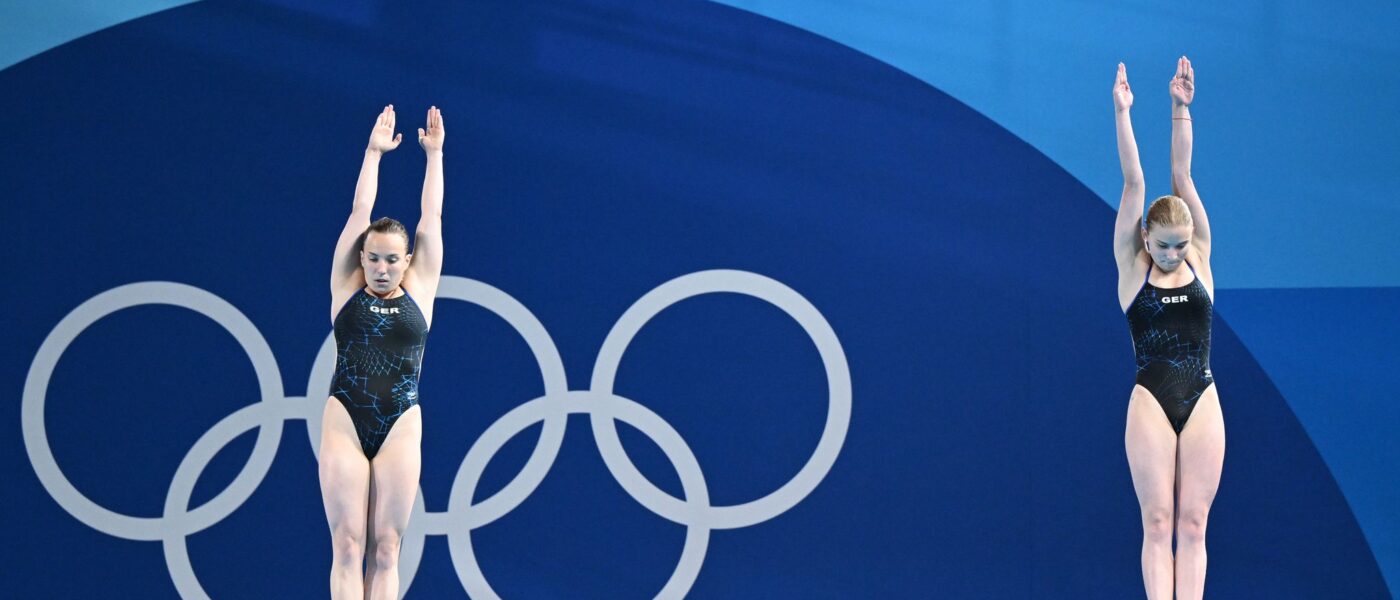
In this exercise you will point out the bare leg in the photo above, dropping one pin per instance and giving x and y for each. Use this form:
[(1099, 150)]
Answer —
[(1151, 445), (370, 566), (1202, 445), (344, 474), (395, 473)]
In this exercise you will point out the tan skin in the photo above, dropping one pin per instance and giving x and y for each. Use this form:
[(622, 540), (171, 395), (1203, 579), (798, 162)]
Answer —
[(368, 503), (1175, 476)]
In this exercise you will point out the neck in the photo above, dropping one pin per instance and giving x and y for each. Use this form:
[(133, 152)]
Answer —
[(1181, 273), (392, 293)]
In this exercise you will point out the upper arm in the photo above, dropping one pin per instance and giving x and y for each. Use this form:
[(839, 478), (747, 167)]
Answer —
[(1186, 189), (1127, 228), (346, 261), (1201, 264), (426, 268), (1132, 273)]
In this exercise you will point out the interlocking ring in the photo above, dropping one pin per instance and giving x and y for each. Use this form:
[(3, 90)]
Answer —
[(603, 406)]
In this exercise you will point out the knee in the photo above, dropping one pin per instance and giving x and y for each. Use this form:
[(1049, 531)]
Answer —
[(1157, 525), (348, 545), (1191, 525), (386, 548)]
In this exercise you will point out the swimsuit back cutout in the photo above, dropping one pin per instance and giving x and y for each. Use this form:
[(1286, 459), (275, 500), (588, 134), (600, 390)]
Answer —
[(379, 352), (1170, 328)]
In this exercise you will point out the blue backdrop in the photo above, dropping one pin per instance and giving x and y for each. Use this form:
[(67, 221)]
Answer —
[(940, 203)]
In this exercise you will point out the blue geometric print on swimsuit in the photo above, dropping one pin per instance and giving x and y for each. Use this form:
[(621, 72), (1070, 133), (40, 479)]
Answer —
[(1171, 340), (379, 351)]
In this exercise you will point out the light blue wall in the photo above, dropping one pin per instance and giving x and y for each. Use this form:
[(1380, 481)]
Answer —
[(1297, 148), (28, 27)]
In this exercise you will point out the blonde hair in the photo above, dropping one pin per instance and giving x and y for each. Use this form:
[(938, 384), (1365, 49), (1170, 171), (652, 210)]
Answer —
[(1168, 211)]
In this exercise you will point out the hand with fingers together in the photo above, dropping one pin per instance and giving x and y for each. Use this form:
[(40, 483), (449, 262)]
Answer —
[(382, 138), (1122, 94), (1183, 84), (431, 138)]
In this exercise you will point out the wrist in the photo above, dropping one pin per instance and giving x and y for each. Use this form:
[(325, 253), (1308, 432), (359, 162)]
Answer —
[(1181, 110), (433, 153), (375, 152)]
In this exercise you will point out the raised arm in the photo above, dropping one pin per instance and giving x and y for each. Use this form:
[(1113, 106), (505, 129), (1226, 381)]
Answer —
[(345, 265), (426, 268), (1183, 91), (1127, 239)]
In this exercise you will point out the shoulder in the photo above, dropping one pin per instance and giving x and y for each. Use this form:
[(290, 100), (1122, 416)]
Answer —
[(340, 298), (1131, 277), (1135, 266), (421, 295), (1201, 265), (422, 288), (1199, 260)]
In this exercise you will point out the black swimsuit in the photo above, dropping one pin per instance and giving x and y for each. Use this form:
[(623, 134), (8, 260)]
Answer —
[(1171, 338), (379, 351)]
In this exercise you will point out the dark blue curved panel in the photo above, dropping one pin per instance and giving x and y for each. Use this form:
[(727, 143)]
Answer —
[(597, 149), (1332, 353)]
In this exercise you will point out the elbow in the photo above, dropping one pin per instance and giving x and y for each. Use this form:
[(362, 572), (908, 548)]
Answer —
[(1181, 174), (431, 207)]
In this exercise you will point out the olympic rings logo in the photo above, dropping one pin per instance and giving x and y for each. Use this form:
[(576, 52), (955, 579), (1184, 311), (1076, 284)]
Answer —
[(600, 402)]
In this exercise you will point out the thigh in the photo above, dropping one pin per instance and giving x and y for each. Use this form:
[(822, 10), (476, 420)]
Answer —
[(1151, 444), (1202, 452), (344, 471), (395, 473)]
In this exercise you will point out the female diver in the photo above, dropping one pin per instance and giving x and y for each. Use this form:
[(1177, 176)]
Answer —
[(1175, 434), (381, 309)]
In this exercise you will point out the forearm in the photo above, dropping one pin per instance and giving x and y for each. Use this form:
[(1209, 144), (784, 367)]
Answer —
[(1127, 150), (367, 187), (1182, 185), (1181, 142), (432, 186)]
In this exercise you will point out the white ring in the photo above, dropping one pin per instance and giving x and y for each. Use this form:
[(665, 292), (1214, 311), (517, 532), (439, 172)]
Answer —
[(36, 386), (838, 414), (611, 407)]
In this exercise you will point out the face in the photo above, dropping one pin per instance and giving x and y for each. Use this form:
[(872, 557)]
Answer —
[(385, 258), (1167, 244)]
